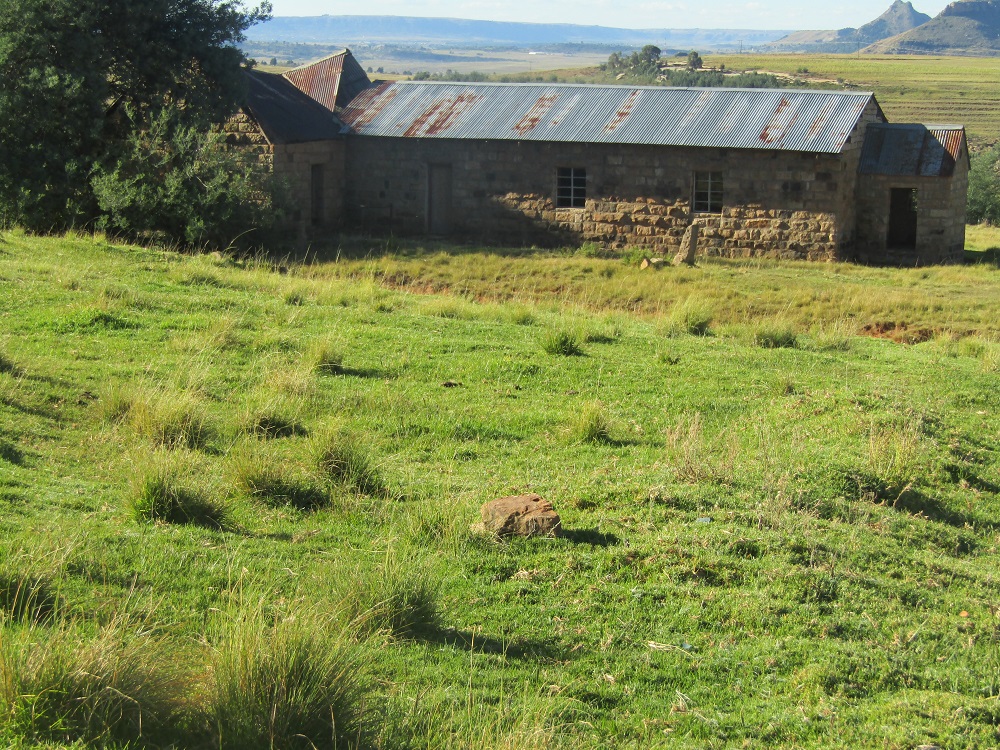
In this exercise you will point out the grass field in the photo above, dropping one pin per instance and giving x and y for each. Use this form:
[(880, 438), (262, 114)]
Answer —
[(237, 499)]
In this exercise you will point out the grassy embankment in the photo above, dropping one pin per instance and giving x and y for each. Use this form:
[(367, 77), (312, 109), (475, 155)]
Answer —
[(216, 476)]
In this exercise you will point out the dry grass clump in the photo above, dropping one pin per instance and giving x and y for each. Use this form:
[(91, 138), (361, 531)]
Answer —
[(837, 335), (693, 458), (291, 683), (59, 685), (450, 307)]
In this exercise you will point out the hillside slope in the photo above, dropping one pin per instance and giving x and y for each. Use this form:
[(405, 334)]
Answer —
[(898, 18), (968, 27)]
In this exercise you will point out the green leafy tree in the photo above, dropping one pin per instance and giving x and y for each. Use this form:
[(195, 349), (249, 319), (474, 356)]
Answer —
[(181, 184), (984, 188), (70, 68), (694, 61)]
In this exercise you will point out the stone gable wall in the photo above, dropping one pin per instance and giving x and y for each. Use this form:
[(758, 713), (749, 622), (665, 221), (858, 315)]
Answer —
[(941, 203), (292, 165), (780, 203)]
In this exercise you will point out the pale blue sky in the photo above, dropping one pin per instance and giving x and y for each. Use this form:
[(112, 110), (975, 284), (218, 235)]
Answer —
[(731, 14)]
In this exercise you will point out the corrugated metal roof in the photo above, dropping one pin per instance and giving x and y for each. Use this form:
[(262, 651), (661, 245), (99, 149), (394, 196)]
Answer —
[(815, 121), (285, 114), (912, 150), (332, 81)]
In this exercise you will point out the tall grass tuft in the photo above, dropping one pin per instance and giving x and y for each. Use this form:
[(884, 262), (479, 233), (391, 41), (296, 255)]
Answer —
[(593, 424), (690, 317), (26, 596), (294, 683), (693, 458), (398, 596), (160, 493), (893, 456), (775, 335), (340, 456), (171, 419), (564, 343), (272, 418), (60, 686), (264, 476), (323, 358)]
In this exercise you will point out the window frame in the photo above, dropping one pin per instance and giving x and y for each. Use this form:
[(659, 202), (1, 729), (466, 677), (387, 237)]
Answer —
[(708, 192), (571, 187)]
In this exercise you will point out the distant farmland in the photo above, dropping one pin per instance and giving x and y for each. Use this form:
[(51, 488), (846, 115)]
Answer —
[(964, 90)]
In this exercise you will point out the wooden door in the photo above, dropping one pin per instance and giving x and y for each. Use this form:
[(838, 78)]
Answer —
[(439, 198)]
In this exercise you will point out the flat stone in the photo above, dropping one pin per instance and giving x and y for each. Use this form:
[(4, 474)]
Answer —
[(520, 515)]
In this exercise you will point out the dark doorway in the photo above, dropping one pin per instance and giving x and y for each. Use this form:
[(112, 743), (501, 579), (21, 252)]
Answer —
[(316, 192), (902, 218), (439, 198)]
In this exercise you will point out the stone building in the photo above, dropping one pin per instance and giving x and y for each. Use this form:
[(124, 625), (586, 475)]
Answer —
[(795, 174)]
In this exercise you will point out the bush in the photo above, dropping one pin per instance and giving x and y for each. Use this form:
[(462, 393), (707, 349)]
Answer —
[(984, 188), (562, 343), (182, 185), (290, 684), (56, 685)]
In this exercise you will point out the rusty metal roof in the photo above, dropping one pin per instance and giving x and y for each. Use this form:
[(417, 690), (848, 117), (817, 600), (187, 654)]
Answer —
[(913, 150), (285, 114), (332, 81), (814, 121)]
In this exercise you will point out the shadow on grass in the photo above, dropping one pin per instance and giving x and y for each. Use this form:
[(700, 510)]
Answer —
[(920, 504), (516, 648), (990, 256), (11, 453), (590, 536)]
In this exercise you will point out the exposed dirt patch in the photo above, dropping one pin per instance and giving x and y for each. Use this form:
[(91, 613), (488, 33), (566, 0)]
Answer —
[(901, 333)]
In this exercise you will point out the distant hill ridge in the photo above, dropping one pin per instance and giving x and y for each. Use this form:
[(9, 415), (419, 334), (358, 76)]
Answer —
[(900, 17), (410, 29), (967, 27)]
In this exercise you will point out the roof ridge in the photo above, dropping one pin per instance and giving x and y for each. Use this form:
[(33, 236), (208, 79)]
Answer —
[(645, 87)]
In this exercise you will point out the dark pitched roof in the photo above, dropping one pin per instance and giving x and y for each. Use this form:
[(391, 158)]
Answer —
[(812, 121), (285, 114), (332, 81), (906, 150)]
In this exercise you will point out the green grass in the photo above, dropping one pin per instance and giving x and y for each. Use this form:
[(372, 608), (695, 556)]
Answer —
[(785, 547)]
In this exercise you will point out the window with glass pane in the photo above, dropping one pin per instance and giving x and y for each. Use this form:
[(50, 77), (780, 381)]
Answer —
[(571, 187), (708, 192)]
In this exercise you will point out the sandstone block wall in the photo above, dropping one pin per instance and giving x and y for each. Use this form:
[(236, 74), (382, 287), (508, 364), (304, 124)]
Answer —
[(788, 204), (941, 203), (292, 164)]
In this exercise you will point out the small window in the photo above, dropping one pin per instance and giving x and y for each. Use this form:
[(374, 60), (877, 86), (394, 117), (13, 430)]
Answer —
[(571, 187), (708, 192)]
